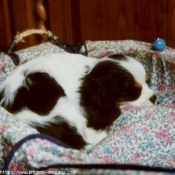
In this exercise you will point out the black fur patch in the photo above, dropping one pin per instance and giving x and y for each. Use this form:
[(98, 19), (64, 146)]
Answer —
[(118, 57), (102, 90), (64, 132), (39, 94), (1, 95)]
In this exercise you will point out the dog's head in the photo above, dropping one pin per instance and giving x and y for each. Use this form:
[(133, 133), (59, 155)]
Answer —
[(131, 82), (115, 81), (123, 80)]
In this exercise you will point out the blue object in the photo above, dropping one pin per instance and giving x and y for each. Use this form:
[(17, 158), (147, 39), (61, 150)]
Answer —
[(159, 44)]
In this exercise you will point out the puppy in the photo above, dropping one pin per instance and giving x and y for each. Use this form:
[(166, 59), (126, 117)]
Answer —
[(73, 98)]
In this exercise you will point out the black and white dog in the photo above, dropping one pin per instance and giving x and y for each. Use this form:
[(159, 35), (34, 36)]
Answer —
[(72, 97)]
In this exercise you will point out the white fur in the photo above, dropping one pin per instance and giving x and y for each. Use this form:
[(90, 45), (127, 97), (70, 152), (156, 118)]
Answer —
[(60, 66), (68, 69), (94, 137)]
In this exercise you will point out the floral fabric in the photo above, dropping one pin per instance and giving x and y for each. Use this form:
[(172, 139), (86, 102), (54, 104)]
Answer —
[(141, 136)]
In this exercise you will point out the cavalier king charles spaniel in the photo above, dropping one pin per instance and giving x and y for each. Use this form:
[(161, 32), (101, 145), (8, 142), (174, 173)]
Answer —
[(74, 98)]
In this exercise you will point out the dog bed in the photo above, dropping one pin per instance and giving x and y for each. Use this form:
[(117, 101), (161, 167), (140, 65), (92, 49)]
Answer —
[(141, 139)]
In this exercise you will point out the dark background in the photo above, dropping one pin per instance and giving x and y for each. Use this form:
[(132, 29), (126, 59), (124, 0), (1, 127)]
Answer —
[(75, 21)]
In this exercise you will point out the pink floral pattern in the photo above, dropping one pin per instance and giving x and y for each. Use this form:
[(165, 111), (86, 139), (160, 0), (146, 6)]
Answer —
[(140, 136)]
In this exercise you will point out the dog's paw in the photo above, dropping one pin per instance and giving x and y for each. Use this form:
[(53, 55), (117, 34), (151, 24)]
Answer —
[(93, 137)]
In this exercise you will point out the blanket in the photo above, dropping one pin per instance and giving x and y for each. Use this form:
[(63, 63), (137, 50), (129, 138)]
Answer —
[(141, 139)]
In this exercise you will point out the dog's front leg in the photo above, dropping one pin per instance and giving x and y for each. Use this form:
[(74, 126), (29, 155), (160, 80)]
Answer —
[(93, 137)]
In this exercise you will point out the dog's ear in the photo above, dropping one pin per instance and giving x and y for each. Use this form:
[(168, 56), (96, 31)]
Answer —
[(106, 89), (99, 92), (98, 99), (101, 85), (102, 90)]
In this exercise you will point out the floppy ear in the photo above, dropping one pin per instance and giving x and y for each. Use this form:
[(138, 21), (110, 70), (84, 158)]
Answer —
[(99, 102), (106, 89), (102, 83)]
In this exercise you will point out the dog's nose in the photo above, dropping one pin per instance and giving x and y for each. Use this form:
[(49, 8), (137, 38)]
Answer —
[(153, 99)]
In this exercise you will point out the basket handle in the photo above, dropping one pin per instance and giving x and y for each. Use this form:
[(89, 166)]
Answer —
[(19, 37)]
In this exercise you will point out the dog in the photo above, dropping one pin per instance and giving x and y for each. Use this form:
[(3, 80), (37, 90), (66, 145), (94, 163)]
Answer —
[(74, 98)]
